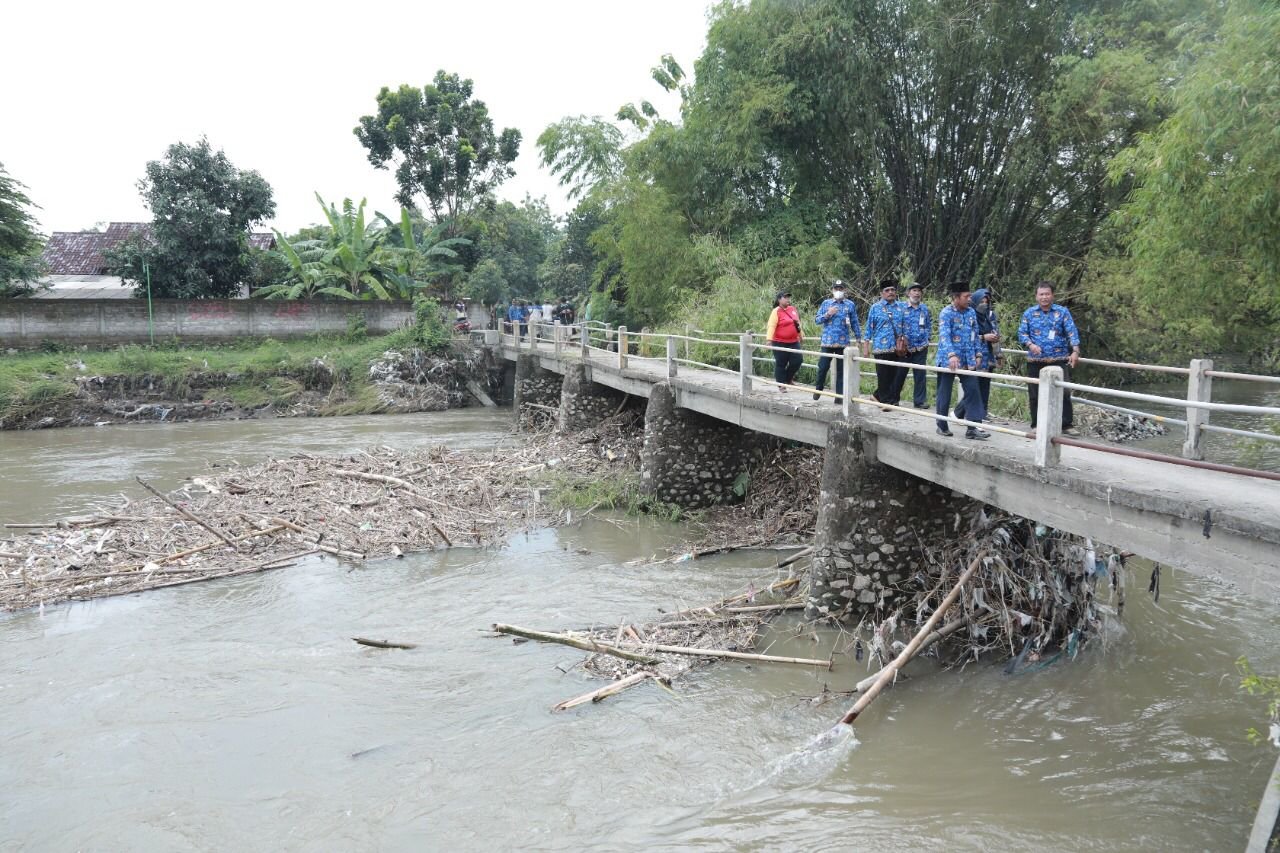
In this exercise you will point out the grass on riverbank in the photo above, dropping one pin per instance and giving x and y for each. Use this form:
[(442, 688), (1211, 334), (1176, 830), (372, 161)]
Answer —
[(266, 371)]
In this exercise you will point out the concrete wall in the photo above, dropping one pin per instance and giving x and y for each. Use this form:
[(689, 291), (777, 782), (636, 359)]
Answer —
[(24, 323)]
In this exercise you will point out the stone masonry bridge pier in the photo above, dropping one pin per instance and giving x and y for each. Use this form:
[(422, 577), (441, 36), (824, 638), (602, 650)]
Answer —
[(890, 485)]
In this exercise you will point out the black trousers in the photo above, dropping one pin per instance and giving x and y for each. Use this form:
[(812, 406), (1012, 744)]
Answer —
[(786, 364), (1033, 391), (919, 378), (824, 364), (889, 377)]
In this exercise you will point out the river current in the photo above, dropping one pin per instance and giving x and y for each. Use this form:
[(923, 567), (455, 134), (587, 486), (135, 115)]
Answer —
[(238, 714)]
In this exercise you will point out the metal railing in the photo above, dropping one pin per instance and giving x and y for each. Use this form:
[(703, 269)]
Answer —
[(591, 340)]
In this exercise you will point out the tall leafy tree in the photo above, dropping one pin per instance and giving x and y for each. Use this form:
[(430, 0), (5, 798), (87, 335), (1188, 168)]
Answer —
[(1203, 225), (202, 207), (20, 242), (443, 143)]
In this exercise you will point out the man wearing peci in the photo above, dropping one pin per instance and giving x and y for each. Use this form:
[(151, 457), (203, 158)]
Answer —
[(919, 324), (885, 327), (958, 350)]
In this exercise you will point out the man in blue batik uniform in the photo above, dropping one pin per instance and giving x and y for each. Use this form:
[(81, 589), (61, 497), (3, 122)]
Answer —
[(838, 318), (1049, 334), (919, 323), (885, 324), (958, 350)]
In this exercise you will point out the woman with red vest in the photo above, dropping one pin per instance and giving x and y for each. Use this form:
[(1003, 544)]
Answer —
[(784, 332)]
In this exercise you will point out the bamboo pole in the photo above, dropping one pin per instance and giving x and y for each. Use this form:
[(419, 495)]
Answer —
[(887, 674), (725, 653), (575, 642), (605, 692)]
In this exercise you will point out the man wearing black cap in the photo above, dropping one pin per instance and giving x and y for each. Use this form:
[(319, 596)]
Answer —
[(958, 350), (919, 322), (784, 332), (885, 327)]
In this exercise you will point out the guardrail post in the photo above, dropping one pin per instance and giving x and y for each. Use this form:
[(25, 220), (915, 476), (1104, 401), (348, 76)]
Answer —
[(643, 344), (1199, 389), (852, 381), (584, 336), (671, 357), (745, 349), (688, 333), (558, 337), (622, 347), (1049, 417)]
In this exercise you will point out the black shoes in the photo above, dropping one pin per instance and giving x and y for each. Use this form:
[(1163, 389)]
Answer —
[(977, 434), (816, 395), (948, 433)]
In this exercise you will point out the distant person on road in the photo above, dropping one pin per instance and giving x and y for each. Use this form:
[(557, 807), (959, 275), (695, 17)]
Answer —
[(884, 336), (838, 317), (988, 343), (958, 350), (535, 318), (784, 332), (1049, 334), (522, 317), (918, 319), (513, 317)]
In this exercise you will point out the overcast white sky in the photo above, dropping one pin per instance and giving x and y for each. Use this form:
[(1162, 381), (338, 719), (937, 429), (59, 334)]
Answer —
[(95, 90)]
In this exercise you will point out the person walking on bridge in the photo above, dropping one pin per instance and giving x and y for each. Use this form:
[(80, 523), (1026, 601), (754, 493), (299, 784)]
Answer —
[(958, 350), (988, 344), (885, 339), (918, 319), (1051, 339), (784, 332), (838, 317)]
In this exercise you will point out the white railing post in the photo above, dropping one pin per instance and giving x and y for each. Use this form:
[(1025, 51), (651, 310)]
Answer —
[(671, 357), (584, 333), (852, 381), (622, 347), (1199, 390), (745, 349), (557, 337), (688, 333), (1049, 417)]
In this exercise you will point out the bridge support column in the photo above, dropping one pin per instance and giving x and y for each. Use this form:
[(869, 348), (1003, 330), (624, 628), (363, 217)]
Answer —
[(584, 403), (874, 523), (690, 459), (534, 387)]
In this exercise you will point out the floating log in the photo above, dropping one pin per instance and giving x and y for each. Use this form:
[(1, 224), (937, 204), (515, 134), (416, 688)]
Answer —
[(887, 674), (799, 555), (384, 644), (586, 645)]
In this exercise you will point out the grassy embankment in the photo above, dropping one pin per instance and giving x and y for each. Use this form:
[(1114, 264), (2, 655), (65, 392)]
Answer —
[(258, 372)]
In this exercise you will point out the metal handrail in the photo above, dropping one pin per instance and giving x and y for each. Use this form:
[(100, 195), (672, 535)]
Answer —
[(1237, 408)]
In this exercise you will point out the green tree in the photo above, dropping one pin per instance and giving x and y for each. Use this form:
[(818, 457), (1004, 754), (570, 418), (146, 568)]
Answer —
[(202, 208), (487, 284), (444, 145), (1203, 225), (518, 238), (582, 151), (20, 242)]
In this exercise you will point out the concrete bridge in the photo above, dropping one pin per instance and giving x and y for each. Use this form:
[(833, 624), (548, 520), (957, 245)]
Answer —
[(889, 481)]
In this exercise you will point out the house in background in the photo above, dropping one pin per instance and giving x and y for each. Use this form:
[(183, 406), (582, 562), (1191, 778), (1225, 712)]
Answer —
[(78, 270)]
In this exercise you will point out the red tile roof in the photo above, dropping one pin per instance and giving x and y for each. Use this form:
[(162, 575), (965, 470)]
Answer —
[(80, 252)]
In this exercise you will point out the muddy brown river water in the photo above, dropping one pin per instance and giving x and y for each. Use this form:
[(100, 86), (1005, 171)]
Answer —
[(239, 715)]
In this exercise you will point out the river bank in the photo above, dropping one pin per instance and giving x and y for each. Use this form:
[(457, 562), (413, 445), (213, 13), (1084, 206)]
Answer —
[(320, 376)]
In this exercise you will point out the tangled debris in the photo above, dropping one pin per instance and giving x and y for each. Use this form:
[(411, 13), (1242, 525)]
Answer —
[(1117, 427), (376, 503)]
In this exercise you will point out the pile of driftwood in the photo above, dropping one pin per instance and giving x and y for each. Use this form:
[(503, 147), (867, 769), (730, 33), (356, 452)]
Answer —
[(376, 503)]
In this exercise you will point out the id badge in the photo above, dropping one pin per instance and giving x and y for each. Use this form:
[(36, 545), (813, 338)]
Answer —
[(1051, 334), (922, 321)]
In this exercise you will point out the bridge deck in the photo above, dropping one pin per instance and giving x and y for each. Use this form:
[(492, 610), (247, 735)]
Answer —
[(1220, 525)]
